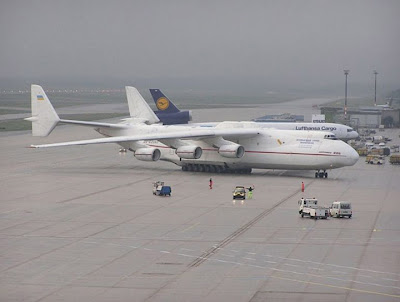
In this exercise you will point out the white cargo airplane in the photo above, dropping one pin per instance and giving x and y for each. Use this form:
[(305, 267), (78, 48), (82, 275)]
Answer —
[(342, 132), (226, 147)]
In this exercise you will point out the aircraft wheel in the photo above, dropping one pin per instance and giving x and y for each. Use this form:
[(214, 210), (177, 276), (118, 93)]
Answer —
[(321, 174), (184, 168), (316, 174), (326, 174), (196, 168)]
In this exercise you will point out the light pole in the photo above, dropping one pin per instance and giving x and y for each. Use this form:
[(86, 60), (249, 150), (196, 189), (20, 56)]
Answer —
[(375, 73), (346, 73)]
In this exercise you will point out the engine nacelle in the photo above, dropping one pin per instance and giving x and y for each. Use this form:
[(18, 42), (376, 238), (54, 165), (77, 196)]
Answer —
[(231, 151), (148, 154), (189, 152)]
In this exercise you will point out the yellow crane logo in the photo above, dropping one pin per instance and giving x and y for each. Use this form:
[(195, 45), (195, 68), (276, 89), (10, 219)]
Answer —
[(162, 103)]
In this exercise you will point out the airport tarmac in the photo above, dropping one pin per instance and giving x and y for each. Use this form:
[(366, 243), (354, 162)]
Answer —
[(81, 223)]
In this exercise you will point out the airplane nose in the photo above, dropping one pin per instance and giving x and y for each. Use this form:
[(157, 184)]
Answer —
[(352, 156)]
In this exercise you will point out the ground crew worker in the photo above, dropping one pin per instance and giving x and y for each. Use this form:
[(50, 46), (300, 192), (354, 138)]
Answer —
[(211, 183), (302, 186), (250, 192)]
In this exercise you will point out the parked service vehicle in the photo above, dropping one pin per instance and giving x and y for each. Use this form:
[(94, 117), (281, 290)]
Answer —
[(309, 207), (375, 159), (378, 139), (239, 193), (394, 159), (341, 209), (160, 190)]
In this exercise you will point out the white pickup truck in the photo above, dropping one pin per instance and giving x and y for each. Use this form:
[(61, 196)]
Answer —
[(309, 207)]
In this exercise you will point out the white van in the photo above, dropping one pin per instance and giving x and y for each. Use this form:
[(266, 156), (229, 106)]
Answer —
[(341, 209)]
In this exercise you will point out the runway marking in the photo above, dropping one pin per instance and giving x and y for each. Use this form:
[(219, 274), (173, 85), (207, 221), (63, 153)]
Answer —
[(250, 253), (240, 231), (390, 279), (248, 258), (188, 228), (365, 276), (288, 264), (190, 250), (227, 255), (294, 272), (339, 272), (339, 287), (330, 264), (273, 262)]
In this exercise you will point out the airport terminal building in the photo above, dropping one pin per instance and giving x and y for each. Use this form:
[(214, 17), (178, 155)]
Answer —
[(365, 117)]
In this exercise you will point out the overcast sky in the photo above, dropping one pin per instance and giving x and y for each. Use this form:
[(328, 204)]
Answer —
[(298, 43)]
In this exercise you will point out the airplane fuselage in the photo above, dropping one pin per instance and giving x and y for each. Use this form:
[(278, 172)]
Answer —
[(270, 149)]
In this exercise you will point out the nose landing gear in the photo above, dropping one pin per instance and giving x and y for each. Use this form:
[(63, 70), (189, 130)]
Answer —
[(321, 174)]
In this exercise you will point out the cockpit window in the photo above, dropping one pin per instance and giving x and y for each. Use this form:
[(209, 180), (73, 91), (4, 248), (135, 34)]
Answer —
[(350, 130), (330, 136)]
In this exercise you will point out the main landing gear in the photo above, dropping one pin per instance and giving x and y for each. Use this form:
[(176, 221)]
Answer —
[(321, 174), (214, 169)]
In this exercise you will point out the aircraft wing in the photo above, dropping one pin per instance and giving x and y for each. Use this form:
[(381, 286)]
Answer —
[(206, 133), (94, 124)]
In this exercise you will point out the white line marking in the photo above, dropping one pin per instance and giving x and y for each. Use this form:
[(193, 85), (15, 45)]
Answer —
[(390, 279), (288, 264), (339, 272), (227, 255)]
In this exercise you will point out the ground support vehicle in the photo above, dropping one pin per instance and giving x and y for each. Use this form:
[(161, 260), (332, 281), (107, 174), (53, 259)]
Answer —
[(309, 207), (160, 190), (394, 159), (375, 159), (377, 151), (239, 192), (341, 209), (362, 151)]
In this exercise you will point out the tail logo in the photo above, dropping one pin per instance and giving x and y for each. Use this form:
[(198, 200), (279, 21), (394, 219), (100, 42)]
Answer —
[(162, 103), (40, 97)]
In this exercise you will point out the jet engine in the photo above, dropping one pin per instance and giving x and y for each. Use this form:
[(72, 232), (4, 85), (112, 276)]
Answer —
[(148, 154), (189, 152), (231, 151)]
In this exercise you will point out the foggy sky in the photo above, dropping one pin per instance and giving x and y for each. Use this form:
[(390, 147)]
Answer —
[(279, 43)]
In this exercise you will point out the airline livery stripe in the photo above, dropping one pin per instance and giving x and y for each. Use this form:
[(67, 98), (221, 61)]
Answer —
[(294, 153), (264, 152)]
